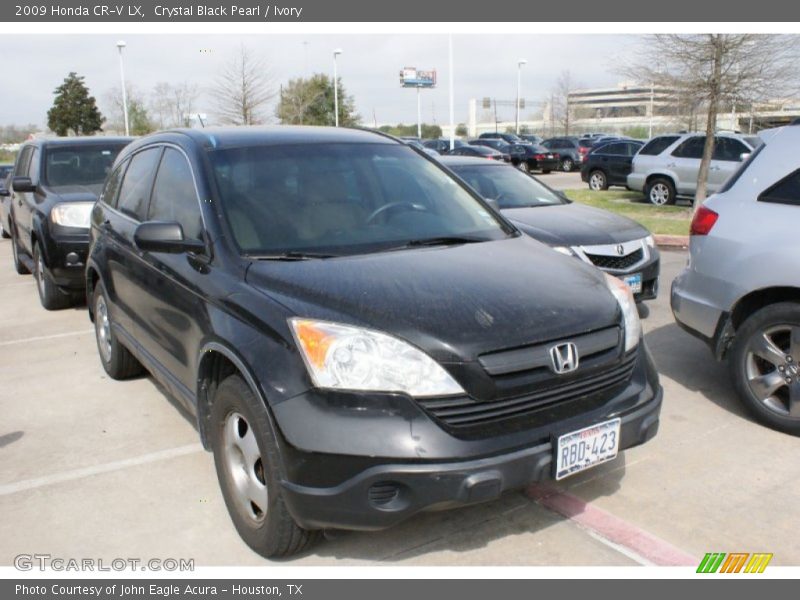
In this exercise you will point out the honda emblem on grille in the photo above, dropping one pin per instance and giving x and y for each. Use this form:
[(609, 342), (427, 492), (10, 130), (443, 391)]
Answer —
[(620, 249), (564, 358)]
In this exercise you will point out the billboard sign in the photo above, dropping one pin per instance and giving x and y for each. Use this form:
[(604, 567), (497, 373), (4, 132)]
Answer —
[(412, 77)]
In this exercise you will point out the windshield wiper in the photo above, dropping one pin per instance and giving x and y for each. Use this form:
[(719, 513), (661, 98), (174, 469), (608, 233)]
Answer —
[(292, 255), (445, 240)]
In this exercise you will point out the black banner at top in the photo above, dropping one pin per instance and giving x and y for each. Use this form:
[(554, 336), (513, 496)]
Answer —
[(255, 11)]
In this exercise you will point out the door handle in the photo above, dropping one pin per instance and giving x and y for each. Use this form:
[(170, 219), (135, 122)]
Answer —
[(713, 168)]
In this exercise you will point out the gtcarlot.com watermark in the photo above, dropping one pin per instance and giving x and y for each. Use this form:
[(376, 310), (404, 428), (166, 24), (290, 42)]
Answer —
[(42, 562)]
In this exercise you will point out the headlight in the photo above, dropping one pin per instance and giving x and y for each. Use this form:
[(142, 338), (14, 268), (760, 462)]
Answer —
[(564, 250), (352, 358), (650, 241), (72, 214), (624, 296)]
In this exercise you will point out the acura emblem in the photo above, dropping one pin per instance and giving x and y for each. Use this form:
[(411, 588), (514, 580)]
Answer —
[(620, 249), (564, 358)]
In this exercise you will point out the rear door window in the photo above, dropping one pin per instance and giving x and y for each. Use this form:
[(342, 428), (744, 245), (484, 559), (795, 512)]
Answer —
[(786, 191), (691, 148), (729, 149), (134, 194), (657, 145)]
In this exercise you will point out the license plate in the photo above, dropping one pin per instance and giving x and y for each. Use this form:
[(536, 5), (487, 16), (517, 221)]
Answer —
[(586, 448), (634, 282)]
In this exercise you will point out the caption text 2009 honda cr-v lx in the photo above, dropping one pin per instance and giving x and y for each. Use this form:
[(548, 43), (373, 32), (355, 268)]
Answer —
[(360, 336)]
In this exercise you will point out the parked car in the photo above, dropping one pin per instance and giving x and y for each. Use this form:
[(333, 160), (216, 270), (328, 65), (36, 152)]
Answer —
[(609, 164), (534, 158), (613, 243), (570, 149), (360, 336), (5, 198), (667, 167), (508, 138), (480, 152), (442, 146), (55, 185), (531, 138), (500, 145), (740, 290)]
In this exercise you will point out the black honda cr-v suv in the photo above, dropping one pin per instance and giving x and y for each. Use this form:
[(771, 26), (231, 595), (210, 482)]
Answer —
[(360, 336)]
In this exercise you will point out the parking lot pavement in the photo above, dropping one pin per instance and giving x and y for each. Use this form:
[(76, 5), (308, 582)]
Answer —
[(558, 180), (93, 468)]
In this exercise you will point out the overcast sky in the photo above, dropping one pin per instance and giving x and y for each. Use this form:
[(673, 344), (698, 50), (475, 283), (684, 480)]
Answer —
[(485, 65)]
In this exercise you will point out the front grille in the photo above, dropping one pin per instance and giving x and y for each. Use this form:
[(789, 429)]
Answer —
[(465, 412), (619, 263)]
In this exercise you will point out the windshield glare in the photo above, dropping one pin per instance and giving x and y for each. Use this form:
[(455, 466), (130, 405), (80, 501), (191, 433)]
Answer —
[(79, 165), (342, 199), (509, 186)]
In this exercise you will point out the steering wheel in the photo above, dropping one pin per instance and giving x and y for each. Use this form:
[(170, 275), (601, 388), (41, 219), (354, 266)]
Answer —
[(398, 206)]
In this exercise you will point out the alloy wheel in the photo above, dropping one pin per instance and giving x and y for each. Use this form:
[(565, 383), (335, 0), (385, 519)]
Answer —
[(772, 369), (659, 194), (597, 181)]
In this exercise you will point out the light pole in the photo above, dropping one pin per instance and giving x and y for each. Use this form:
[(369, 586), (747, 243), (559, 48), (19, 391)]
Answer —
[(520, 62), (120, 46), (336, 53)]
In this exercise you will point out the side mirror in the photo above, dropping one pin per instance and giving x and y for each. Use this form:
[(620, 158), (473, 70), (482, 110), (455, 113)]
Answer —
[(22, 184), (158, 236), (744, 156)]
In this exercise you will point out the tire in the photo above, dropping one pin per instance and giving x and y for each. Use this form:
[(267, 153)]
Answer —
[(523, 166), (660, 191), (567, 164), (50, 295), (116, 359), (19, 266), (598, 180), (247, 461), (765, 366)]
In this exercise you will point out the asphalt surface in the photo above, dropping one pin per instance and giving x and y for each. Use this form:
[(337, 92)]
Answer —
[(91, 467)]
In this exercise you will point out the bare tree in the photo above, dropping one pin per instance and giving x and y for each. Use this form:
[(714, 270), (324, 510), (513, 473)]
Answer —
[(171, 105), (717, 71), (242, 89), (561, 111)]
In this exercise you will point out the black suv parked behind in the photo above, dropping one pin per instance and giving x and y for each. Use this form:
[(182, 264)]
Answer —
[(360, 336), (55, 184), (609, 164)]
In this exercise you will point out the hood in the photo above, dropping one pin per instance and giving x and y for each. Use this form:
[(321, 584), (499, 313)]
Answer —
[(454, 302), (575, 225), (77, 193)]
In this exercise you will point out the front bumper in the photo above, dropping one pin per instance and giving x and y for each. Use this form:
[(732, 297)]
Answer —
[(367, 492), (65, 252), (548, 164)]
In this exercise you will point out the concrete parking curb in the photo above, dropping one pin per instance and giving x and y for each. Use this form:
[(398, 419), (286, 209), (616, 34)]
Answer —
[(672, 241)]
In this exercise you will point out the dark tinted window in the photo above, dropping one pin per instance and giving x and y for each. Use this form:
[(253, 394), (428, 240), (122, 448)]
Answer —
[(729, 149), (5, 170), (616, 149), (786, 191), (658, 145), (632, 148), (109, 194), (174, 197), (135, 190), (586, 143), (79, 165), (691, 147)]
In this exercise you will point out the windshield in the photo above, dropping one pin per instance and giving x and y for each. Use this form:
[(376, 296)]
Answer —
[(339, 199), (509, 186), (79, 165)]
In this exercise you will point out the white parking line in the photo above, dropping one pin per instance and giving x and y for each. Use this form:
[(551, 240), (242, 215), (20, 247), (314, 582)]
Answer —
[(29, 484), (46, 337)]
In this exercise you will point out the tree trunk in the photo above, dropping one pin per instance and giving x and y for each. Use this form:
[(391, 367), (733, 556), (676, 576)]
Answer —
[(711, 124)]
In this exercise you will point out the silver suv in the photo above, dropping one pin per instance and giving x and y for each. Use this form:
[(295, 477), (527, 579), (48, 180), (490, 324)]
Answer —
[(667, 166), (740, 291)]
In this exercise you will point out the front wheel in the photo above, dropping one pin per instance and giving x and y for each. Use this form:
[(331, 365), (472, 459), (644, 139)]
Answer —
[(567, 164), (247, 462), (598, 181), (51, 296), (660, 191), (765, 366)]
